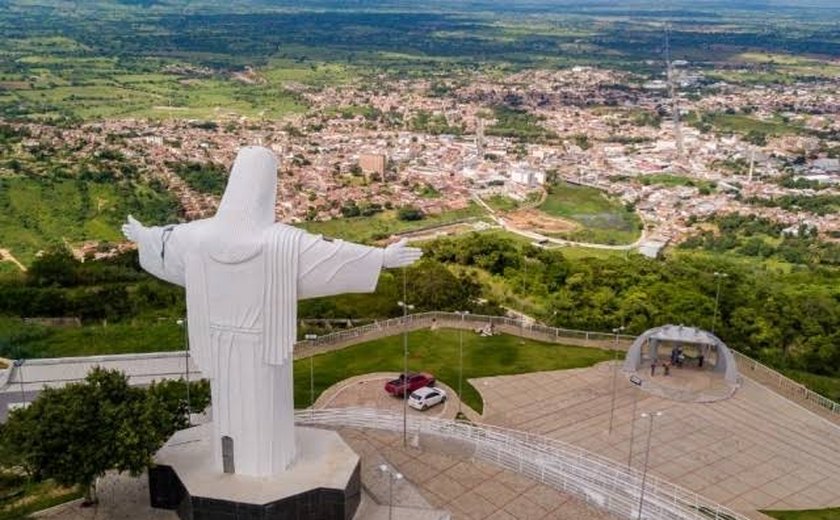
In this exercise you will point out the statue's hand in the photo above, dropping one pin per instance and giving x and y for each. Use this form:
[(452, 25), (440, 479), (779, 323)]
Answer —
[(400, 255), (132, 228)]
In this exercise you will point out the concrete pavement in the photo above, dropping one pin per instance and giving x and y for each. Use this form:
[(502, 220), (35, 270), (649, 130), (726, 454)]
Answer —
[(755, 450)]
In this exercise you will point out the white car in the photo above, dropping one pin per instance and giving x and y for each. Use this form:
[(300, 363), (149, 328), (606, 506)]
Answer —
[(426, 397)]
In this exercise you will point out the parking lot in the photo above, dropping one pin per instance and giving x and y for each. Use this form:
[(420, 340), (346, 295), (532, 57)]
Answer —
[(368, 391)]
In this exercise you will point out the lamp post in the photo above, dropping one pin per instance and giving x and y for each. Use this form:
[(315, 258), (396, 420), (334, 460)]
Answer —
[(311, 337), (392, 476), (616, 331), (183, 323), (636, 392), (720, 277), (406, 307), (19, 364), (650, 417), (461, 357)]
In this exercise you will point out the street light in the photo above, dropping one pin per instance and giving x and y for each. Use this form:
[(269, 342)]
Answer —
[(311, 337), (461, 356), (392, 476), (616, 331), (720, 277), (183, 323), (636, 392), (18, 363), (406, 307), (649, 416)]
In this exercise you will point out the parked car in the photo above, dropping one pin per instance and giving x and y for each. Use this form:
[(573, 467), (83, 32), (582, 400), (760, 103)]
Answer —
[(412, 382), (426, 397)]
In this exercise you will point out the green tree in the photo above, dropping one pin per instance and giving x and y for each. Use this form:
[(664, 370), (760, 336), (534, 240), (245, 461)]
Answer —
[(76, 433), (409, 213), (55, 267)]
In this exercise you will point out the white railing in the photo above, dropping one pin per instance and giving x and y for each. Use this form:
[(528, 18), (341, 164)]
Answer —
[(452, 319), (597, 480), (751, 368), (746, 365)]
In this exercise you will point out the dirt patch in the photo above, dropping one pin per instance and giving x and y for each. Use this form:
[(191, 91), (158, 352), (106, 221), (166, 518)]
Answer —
[(429, 234), (6, 256), (535, 220)]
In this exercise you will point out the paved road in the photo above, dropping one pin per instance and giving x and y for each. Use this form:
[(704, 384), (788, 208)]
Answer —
[(30, 378)]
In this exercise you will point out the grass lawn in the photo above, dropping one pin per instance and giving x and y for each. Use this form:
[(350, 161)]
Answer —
[(574, 252), (501, 203), (92, 340), (437, 352), (382, 225), (671, 180), (35, 213), (743, 124), (604, 220), (807, 514), (34, 497)]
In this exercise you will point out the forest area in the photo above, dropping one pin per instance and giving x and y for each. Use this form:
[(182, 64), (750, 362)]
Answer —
[(789, 320)]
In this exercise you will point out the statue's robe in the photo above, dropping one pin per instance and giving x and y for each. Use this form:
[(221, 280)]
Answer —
[(242, 293)]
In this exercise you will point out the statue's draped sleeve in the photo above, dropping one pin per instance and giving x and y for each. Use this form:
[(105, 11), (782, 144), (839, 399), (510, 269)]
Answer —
[(330, 267), (162, 251), (301, 265)]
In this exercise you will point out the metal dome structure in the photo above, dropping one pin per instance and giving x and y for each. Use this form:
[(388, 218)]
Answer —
[(646, 348)]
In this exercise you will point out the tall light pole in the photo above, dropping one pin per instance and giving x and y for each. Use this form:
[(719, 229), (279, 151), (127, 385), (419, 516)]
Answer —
[(310, 338), (406, 307), (183, 323), (461, 357), (19, 364), (720, 277), (649, 416), (392, 476), (636, 392), (616, 331)]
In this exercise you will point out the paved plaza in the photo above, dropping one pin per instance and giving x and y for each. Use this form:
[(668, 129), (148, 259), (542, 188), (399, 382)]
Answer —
[(440, 482), (755, 450), (447, 479)]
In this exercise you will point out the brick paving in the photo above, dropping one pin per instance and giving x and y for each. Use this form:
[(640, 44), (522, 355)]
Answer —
[(755, 450), (440, 482), (449, 480)]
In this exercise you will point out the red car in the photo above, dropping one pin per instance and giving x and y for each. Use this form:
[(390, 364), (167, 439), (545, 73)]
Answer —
[(405, 385)]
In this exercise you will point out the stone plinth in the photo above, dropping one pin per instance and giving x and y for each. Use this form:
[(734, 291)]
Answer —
[(323, 484)]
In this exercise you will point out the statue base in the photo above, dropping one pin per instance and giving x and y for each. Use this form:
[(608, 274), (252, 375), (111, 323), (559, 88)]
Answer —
[(324, 483)]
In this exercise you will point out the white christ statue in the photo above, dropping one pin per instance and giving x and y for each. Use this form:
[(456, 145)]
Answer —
[(244, 273)]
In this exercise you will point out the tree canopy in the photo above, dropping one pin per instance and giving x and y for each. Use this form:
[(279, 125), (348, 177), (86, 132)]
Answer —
[(74, 434)]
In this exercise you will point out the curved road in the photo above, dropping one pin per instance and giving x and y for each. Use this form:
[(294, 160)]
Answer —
[(560, 241)]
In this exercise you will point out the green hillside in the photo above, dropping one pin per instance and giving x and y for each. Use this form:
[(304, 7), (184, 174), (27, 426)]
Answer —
[(36, 212)]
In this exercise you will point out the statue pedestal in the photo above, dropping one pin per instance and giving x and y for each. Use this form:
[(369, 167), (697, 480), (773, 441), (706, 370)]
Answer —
[(324, 483)]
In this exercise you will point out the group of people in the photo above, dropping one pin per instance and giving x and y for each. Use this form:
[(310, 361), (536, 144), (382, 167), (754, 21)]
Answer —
[(677, 358), (486, 331)]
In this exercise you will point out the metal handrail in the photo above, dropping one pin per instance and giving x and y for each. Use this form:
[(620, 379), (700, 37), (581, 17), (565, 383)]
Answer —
[(595, 479), (746, 364), (420, 319)]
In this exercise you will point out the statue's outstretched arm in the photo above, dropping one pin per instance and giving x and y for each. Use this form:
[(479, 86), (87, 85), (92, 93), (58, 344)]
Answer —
[(161, 249), (400, 254), (328, 267)]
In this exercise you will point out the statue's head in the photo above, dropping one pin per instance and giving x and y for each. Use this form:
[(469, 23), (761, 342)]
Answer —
[(251, 191)]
